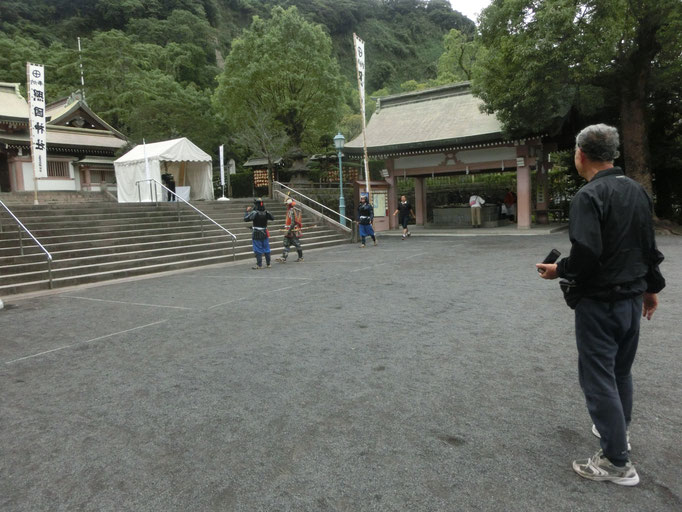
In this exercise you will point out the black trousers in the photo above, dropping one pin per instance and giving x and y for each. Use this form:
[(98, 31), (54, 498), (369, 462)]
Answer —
[(607, 334)]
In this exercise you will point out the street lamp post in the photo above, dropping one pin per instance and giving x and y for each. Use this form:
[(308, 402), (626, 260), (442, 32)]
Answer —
[(339, 141)]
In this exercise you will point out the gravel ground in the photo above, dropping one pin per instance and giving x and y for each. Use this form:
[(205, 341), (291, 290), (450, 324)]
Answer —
[(432, 374)]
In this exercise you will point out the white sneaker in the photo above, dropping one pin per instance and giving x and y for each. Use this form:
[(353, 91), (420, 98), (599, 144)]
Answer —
[(600, 468), (627, 435)]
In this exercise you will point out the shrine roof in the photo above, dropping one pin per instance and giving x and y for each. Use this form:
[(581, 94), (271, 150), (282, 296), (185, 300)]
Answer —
[(13, 106), (441, 117)]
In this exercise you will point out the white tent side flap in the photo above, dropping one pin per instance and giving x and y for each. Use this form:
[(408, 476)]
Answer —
[(189, 165)]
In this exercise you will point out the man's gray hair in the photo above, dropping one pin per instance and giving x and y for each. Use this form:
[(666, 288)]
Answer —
[(599, 142)]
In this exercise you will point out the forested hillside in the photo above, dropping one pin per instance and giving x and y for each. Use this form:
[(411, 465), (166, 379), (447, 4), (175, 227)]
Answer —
[(151, 66)]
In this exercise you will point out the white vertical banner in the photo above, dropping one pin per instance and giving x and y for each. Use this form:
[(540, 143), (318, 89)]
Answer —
[(35, 86), (360, 66), (222, 166), (362, 72)]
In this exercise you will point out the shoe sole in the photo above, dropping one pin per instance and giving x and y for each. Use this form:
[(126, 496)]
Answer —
[(625, 481)]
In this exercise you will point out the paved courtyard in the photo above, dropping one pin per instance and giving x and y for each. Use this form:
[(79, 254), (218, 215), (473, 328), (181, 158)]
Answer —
[(434, 374)]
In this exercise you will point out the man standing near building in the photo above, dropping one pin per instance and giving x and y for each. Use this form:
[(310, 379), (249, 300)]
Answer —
[(611, 279), (292, 232), (476, 202), (260, 238)]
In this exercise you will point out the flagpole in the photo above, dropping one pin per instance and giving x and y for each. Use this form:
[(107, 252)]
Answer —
[(359, 45)]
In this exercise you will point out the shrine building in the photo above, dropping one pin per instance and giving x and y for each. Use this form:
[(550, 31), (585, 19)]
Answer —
[(80, 146), (443, 132)]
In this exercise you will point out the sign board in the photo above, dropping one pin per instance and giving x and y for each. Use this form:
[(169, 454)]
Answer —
[(35, 87)]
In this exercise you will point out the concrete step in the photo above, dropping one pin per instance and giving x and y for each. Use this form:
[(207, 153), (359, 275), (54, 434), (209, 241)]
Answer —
[(10, 246), (84, 209), (64, 225), (48, 237), (92, 247), (79, 260), (96, 242), (35, 282)]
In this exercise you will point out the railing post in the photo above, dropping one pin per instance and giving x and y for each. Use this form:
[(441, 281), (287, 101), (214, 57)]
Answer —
[(49, 272), (201, 223), (234, 249), (177, 208)]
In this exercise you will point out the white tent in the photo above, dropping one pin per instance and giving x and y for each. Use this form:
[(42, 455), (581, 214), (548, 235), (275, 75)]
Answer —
[(188, 164)]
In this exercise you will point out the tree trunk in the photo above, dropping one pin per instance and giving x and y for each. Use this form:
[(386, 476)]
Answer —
[(633, 116), (270, 174), (633, 97)]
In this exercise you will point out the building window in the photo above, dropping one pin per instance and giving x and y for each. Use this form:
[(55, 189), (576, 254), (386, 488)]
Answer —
[(58, 169), (102, 176)]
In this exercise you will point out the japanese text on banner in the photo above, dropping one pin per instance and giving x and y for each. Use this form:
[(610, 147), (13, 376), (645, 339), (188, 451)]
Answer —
[(37, 117), (360, 63)]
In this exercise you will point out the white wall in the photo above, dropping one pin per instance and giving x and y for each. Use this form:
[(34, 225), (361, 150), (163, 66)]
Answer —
[(48, 184)]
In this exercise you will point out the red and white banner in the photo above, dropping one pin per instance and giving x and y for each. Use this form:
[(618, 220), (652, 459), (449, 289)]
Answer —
[(35, 86)]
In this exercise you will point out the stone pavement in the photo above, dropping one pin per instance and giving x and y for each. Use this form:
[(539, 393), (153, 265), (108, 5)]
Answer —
[(432, 374)]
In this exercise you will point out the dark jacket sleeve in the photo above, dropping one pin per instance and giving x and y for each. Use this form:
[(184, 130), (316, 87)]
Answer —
[(586, 240), (655, 281)]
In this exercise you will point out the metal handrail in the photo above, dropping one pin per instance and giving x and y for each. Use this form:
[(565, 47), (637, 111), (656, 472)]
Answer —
[(312, 200), (353, 229), (177, 200), (21, 244)]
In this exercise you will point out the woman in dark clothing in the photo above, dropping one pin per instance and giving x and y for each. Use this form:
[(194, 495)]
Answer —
[(405, 210)]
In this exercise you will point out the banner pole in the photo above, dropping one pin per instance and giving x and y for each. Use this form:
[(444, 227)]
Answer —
[(359, 45)]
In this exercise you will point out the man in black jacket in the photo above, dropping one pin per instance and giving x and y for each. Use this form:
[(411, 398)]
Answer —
[(611, 279)]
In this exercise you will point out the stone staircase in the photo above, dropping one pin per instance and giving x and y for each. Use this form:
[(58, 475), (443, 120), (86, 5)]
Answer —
[(93, 242)]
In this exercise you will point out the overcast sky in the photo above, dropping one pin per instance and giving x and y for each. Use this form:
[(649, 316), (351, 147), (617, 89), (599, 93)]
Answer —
[(470, 8)]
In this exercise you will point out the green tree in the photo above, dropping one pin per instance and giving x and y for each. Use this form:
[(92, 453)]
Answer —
[(282, 66), (263, 135), (456, 63), (15, 51), (595, 58), (133, 86)]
